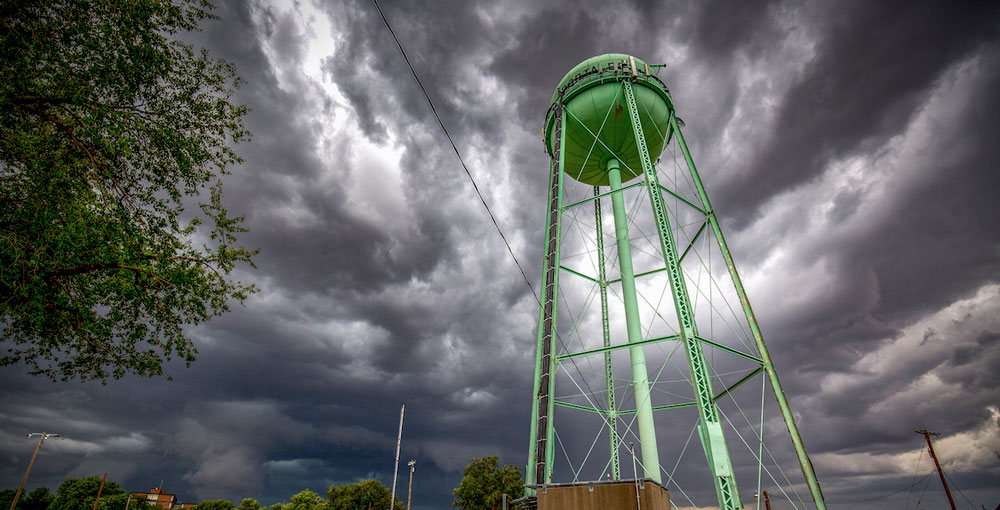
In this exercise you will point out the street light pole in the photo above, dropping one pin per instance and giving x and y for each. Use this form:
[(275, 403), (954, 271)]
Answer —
[(20, 488), (395, 468), (409, 492)]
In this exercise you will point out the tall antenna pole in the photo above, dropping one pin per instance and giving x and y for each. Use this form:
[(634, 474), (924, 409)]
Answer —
[(930, 446), (395, 469)]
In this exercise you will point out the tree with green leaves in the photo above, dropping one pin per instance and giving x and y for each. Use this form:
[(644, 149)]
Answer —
[(122, 500), (306, 500), (484, 484), (37, 499), (75, 494), (7, 497), (109, 126), (215, 504), (80, 493), (366, 495), (249, 504)]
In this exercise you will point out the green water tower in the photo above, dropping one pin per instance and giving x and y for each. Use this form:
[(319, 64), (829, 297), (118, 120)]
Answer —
[(610, 119)]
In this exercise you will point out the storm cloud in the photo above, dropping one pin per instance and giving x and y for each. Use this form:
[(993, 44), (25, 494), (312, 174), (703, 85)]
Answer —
[(850, 150)]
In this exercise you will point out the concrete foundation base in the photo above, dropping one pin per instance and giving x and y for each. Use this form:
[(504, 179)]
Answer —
[(602, 495)]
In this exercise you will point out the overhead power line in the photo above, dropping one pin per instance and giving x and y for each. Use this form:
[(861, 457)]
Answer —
[(960, 491), (472, 179), (876, 498), (457, 152)]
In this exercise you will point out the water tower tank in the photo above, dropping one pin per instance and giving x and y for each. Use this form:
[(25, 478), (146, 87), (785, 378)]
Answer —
[(594, 102)]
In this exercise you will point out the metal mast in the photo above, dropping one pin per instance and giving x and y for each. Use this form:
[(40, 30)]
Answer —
[(395, 465)]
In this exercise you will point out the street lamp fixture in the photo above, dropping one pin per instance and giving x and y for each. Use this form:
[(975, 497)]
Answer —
[(46, 435)]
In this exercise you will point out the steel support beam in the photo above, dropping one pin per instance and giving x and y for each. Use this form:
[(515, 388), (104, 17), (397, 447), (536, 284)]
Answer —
[(710, 428), (609, 372)]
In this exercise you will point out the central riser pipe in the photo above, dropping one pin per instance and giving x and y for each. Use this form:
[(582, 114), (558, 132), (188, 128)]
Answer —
[(640, 377)]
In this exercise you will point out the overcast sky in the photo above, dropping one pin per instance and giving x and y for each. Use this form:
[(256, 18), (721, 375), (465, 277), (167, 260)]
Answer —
[(850, 149)]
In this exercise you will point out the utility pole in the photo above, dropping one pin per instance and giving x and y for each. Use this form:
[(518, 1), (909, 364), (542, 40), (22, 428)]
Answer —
[(409, 492), (20, 488), (99, 490), (930, 446), (395, 469)]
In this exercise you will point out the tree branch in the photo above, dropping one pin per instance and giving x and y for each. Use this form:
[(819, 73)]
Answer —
[(79, 329), (88, 268), (69, 131), (148, 273), (81, 146)]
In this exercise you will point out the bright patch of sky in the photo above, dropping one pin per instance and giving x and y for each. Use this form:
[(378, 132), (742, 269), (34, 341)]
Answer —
[(372, 169)]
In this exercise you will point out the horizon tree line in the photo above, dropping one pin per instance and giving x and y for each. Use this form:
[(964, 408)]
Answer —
[(482, 487)]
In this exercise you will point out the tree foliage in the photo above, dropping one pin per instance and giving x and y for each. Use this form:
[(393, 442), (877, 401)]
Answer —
[(109, 125), (484, 483), (75, 494), (80, 493), (366, 495), (249, 504), (121, 501), (215, 504), (306, 500), (38, 499), (6, 497)]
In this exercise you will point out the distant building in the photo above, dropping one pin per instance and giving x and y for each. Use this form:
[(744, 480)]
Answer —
[(161, 499)]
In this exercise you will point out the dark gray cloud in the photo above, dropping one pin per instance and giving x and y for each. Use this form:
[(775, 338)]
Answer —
[(874, 66), (849, 149)]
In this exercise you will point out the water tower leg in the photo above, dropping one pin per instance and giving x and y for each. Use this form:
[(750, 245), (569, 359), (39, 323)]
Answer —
[(541, 451), (609, 371), (786, 412), (710, 428), (640, 378)]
